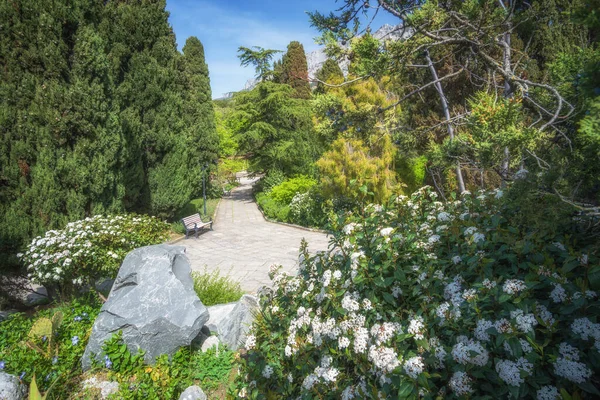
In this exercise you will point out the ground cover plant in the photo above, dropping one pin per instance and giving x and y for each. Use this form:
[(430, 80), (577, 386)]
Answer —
[(213, 288), (433, 300), (89, 249), (50, 345)]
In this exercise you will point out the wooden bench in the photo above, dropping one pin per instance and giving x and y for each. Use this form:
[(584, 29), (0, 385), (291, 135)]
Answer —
[(194, 223)]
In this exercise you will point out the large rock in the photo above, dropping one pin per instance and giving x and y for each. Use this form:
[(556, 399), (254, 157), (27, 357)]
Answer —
[(153, 302), (11, 387), (232, 321), (193, 393)]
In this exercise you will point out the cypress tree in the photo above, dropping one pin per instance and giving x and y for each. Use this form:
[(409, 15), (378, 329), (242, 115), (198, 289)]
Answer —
[(329, 72), (99, 113), (295, 70)]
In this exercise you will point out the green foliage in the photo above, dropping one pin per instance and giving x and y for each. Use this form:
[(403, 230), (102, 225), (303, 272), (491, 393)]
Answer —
[(411, 172), (286, 190), (59, 368), (259, 57), (294, 70), (306, 209), (423, 299), (349, 170), (275, 129), (212, 288), (272, 208), (99, 114), (87, 250), (166, 379), (330, 73), (273, 178)]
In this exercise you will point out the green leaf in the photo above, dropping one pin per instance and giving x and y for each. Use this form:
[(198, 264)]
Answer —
[(405, 389)]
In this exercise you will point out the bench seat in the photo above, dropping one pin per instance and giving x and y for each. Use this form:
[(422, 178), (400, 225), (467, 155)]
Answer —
[(194, 224)]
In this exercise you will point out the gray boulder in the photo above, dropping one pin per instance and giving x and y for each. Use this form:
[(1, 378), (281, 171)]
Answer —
[(5, 314), (104, 286), (153, 302), (193, 393), (11, 387), (231, 322), (35, 295), (210, 342)]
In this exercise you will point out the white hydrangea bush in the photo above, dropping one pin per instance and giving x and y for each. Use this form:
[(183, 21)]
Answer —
[(89, 249), (423, 299)]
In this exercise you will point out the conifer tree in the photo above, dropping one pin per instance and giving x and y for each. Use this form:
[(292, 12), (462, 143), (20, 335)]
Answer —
[(295, 70), (329, 72)]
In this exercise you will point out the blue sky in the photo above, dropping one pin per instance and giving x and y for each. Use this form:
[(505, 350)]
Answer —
[(223, 26)]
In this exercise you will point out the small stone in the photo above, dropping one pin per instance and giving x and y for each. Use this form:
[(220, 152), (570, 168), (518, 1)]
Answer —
[(193, 393), (11, 387), (5, 314), (232, 321), (210, 342), (106, 387)]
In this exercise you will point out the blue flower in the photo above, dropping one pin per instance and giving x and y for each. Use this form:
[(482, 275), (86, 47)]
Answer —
[(107, 363), (54, 360), (44, 338), (22, 375), (77, 318), (85, 314), (47, 378), (2, 365), (75, 340)]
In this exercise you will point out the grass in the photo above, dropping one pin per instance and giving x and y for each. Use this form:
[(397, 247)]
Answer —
[(212, 288)]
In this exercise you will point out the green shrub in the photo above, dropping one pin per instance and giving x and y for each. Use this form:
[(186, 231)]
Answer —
[(285, 191), (424, 299), (212, 288), (24, 352), (269, 206), (89, 249), (283, 214), (273, 178), (167, 378), (306, 209)]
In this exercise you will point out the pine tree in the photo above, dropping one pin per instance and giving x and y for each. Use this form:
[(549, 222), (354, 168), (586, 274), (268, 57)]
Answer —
[(295, 70)]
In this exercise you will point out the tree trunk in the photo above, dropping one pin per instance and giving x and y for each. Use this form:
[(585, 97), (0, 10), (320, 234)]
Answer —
[(446, 109)]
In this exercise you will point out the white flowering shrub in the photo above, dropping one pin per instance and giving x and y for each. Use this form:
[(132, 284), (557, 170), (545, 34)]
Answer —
[(431, 300), (89, 249)]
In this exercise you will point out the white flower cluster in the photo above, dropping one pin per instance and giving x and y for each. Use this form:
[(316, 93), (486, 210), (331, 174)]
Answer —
[(88, 246), (470, 352), (416, 327), (414, 366), (525, 322), (548, 393), (383, 358), (460, 383), (510, 371), (513, 286)]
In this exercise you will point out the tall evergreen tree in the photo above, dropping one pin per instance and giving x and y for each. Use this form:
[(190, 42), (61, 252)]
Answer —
[(99, 113), (329, 72), (295, 70)]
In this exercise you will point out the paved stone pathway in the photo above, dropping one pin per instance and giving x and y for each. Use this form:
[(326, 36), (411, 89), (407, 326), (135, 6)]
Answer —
[(243, 245)]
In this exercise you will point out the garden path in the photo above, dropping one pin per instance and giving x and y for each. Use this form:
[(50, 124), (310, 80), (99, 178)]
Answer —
[(243, 244)]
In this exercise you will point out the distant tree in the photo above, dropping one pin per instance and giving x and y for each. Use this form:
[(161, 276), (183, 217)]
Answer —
[(330, 71), (260, 58), (275, 129), (295, 70)]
